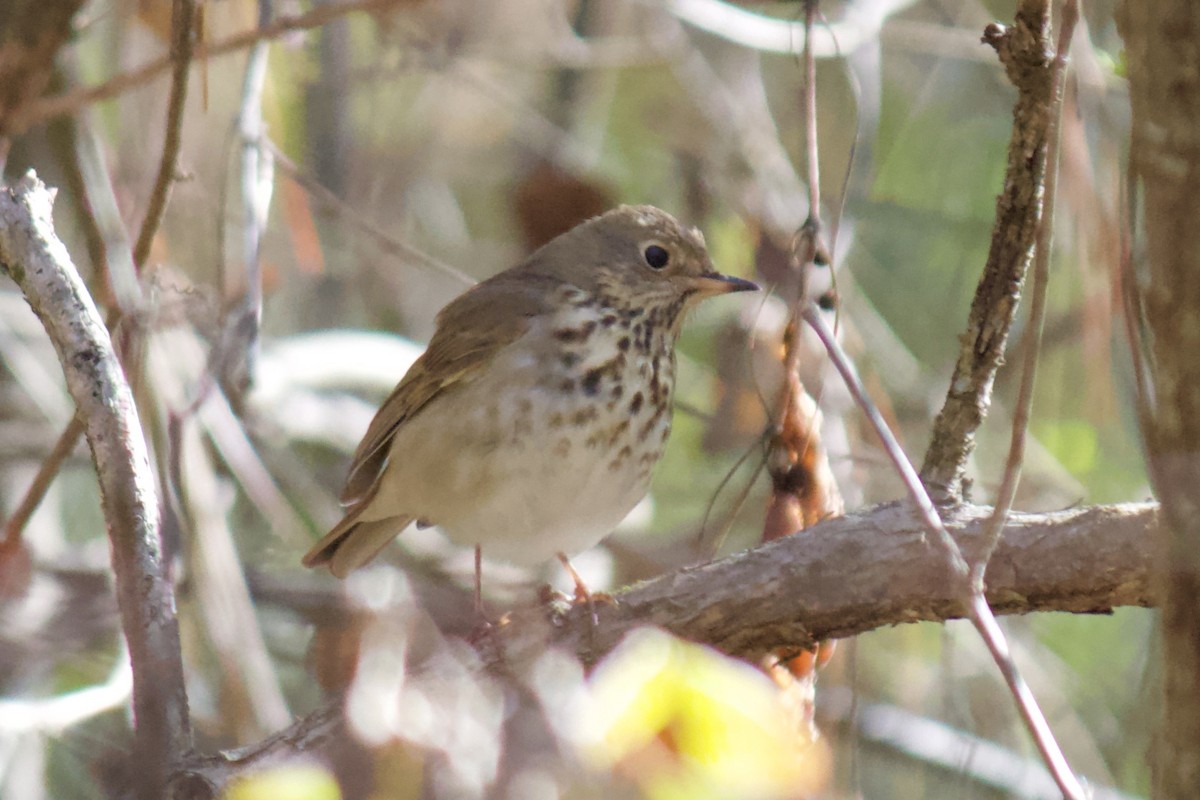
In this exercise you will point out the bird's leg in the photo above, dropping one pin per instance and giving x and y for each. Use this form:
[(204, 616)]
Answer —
[(479, 612), (486, 629)]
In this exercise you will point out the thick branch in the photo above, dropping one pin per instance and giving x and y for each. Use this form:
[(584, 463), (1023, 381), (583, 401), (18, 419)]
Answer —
[(864, 571), (1024, 50), (37, 260)]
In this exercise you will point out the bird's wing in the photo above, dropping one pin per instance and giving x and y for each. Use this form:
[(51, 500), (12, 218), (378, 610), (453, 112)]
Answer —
[(471, 330)]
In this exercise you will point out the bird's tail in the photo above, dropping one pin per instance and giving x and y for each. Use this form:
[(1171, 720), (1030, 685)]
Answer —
[(352, 543)]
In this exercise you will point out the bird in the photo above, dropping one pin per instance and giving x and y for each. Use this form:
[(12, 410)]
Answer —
[(532, 422)]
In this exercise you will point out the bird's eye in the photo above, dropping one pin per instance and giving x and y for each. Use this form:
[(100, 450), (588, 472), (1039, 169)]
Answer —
[(656, 256)]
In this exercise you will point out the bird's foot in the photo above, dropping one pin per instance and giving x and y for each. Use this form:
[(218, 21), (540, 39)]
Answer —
[(583, 594)]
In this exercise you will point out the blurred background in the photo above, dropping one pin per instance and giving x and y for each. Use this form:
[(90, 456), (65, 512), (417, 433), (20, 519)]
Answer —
[(415, 146)]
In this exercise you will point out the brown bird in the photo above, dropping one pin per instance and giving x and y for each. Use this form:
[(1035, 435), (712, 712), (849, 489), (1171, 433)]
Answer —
[(531, 424)]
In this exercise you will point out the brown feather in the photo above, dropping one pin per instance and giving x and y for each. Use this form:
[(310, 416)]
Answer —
[(470, 331)]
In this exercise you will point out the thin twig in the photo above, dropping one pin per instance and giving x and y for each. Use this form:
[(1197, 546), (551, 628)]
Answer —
[(68, 102), (236, 354), (738, 502), (1037, 306), (807, 240), (384, 240), (42, 480), (981, 616), (976, 606), (66, 141), (183, 17), (803, 489), (812, 163)]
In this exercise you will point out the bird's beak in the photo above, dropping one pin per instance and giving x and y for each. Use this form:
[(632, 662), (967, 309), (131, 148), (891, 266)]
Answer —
[(714, 283)]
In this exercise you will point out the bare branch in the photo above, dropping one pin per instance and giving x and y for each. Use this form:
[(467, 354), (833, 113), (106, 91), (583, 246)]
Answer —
[(41, 481), (1024, 51), (183, 17), (865, 571), (1037, 306), (36, 259)]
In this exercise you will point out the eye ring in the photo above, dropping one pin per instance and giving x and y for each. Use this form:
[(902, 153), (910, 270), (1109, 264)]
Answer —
[(656, 256)]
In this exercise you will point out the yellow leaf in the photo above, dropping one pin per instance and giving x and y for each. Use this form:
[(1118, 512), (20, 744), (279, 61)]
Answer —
[(684, 721), (292, 782)]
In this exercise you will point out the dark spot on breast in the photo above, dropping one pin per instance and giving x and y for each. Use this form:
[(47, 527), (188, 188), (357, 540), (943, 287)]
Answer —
[(556, 419), (570, 359), (650, 423), (567, 386), (585, 415), (617, 391), (591, 381), (624, 455), (619, 430), (608, 320), (623, 344), (635, 405)]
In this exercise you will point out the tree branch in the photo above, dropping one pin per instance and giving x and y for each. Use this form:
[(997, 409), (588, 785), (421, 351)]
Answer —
[(183, 18), (36, 259), (864, 571), (1024, 50)]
